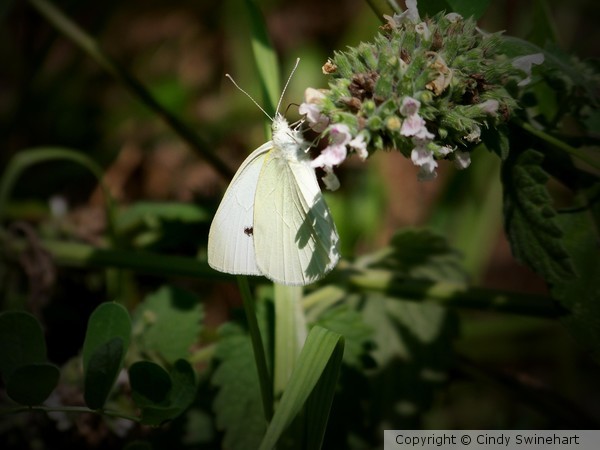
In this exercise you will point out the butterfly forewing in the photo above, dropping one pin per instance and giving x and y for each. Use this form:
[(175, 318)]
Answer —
[(230, 243)]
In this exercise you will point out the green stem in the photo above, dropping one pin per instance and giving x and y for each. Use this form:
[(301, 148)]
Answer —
[(69, 409), (264, 376), (577, 153), (90, 46), (380, 7), (455, 295)]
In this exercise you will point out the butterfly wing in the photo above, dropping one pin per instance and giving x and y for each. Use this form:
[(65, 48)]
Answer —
[(231, 235), (295, 238)]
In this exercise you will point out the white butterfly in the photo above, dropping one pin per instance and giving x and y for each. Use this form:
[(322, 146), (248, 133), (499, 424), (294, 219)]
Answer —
[(273, 220)]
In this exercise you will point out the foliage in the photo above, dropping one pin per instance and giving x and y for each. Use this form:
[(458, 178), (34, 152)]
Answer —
[(409, 331)]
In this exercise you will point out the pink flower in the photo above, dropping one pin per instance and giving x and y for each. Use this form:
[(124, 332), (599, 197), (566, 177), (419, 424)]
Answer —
[(409, 106), (339, 134), (311, 108), (422, 157), (412, 125), (332, 155)]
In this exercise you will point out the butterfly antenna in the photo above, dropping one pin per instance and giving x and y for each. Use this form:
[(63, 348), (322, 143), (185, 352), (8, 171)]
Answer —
[(286, 84), (249, 96)]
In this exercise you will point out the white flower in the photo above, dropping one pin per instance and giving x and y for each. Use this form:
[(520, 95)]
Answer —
[(490, 106), (462, 160), (412, 12), (426, 173), (474, 135), (360, 146), (311, 108), (453, 17), (445, 150), (331, 181), (424, 133), (423, 30), (525, 63)]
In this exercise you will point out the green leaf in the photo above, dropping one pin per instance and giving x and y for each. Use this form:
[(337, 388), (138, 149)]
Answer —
[(168, 323), (581, 295), (543, 29), (161, 225), (31, 384), (350, 324), (413, 351), (421, 254), (21, 342), (237, 405), (138, 445), (102, 370), (265, 57), (467, 8), (432, 7), (496, 140), (26, 158), (321, 348), (318, 406), (108, 321), (179, 398), (150, 383), (530, 219)]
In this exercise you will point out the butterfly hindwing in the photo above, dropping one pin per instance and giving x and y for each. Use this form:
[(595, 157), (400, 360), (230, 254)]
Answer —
[(231, 235), (295, 238)]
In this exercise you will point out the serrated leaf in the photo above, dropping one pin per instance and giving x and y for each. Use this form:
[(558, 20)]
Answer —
[(496, 140), (108, 321), (21, 342), (421, 254), (150, 383), (31, 384), (102, 370), (180, 397), (350, 324), (237, 405), (413, 348), (323, 350), (168, 323), (530, 219)]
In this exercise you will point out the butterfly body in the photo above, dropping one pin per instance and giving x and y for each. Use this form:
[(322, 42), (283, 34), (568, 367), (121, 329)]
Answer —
[(275, 194)]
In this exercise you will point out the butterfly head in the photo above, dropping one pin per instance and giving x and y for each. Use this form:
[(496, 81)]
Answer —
[(289, 141)]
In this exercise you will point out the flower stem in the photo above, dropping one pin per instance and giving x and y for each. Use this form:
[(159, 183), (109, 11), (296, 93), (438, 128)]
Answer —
[(69, 409), (577, 153), (90, 46), (456, 295), (264, 376)]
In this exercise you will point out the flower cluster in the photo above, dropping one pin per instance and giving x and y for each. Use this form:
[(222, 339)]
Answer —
[(433, 89)]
